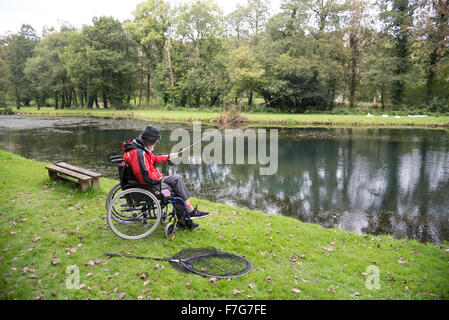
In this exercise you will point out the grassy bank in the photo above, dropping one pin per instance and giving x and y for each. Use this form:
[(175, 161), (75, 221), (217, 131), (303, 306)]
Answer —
[(253, 118), (48, 226)]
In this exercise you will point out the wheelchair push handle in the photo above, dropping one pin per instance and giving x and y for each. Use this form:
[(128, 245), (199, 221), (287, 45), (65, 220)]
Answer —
[(116, 159)]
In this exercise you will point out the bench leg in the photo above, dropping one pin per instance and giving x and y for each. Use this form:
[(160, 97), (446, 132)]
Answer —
[(96, 183), (84, 185), (52, 174)]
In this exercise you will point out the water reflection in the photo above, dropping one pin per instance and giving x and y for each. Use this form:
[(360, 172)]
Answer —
[(379, 181)]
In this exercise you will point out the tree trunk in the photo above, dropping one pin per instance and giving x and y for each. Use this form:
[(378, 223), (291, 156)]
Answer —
[(75, 100), (171, 71), (90, 102), (105, 102), (250, 98), (17, 98), (141, 82), (430, 81), (56, 100), (382, 92), (148, 86), (70, 97)]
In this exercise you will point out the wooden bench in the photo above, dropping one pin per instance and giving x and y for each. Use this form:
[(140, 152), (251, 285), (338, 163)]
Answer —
[(83, 177)]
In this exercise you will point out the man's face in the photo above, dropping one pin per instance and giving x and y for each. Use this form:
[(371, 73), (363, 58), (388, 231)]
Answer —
[(152, 146)]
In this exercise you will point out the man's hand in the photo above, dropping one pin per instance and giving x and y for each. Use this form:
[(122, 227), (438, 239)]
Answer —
[(173, 156)]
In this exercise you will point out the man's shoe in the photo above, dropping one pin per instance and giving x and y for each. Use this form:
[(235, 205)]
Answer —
[(197, 214), (192, 225)]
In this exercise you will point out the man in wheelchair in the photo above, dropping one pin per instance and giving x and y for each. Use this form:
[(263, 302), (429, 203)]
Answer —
[(139, 156)]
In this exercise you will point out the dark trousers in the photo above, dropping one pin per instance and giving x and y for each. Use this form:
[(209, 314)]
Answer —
[(177, 186)]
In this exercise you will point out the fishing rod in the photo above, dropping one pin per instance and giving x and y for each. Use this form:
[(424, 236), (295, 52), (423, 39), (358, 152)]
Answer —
[(226, 124)]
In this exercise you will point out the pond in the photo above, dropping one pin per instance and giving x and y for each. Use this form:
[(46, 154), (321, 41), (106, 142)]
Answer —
[(377, 181)]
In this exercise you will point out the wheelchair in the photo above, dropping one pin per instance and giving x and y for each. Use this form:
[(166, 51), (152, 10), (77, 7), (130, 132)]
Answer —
[(134, 211)]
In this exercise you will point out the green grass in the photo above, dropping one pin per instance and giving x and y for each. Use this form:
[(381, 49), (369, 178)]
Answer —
[(255, 118), (48, 226)]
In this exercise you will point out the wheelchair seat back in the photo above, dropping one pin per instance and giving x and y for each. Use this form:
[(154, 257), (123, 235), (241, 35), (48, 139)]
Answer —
[(127, 178)]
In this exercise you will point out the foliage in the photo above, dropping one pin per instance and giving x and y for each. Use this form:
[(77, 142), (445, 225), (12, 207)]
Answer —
[(20, 48), (309, 56)]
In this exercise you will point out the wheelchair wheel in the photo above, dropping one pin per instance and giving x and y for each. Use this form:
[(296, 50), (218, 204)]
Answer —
[(112, 193), (134, 214), (170, 228)]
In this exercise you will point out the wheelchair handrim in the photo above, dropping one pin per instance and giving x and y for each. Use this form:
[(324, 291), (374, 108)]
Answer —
[(111, 216)]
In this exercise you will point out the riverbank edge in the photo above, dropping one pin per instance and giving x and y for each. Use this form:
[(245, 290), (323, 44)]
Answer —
[(253, 119), (46, 227)]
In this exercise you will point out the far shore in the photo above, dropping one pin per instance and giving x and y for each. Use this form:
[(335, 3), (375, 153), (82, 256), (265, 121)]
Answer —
[(252, 119)]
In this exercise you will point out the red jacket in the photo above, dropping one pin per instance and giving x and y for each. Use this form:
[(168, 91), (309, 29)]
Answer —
[(142, 161)]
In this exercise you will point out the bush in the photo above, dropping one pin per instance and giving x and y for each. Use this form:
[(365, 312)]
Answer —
[(438, 105)]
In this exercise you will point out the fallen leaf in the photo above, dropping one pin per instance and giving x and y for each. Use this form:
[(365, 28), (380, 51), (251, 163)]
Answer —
[(293, 259), (296, 290), (268, 279), (213, 280), (55, 261), (159, 266), (143, 276), (121, 295), (235, 291), (70, 250), (356, 294), (39, 296)]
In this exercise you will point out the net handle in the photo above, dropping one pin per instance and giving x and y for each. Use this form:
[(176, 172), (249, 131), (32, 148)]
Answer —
[(136, 257)]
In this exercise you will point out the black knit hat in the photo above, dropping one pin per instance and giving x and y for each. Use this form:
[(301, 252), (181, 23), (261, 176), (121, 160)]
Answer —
[(150, 134)]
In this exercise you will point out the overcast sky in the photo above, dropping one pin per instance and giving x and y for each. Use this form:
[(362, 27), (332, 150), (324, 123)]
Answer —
[(40, 13)]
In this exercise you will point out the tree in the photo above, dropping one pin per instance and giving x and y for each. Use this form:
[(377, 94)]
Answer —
[(150, 28), (196, 57), (433, 32), (4, 83), (397, 16), (257, 15), (237, 22), (47, 73), (378, 65), (104, 57), (357, 13), (323, 15), (20, 48), (245, 72)]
